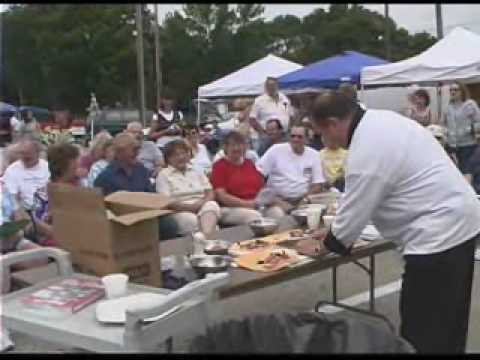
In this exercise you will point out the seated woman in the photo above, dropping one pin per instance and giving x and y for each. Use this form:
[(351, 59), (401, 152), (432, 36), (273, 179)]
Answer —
[(106, 154), (63, 163), (93, 153), (191, 191), (200, 158), (237, 183)]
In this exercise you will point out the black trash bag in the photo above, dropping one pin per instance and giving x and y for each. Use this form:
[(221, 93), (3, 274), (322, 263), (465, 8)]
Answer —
[(306, 332)]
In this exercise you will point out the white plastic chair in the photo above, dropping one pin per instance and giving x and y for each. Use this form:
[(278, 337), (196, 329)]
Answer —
[(196, 300)]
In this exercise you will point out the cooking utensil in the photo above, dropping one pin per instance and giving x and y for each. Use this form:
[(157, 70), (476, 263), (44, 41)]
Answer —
[(216, 247), (264, 227), (205, 264)]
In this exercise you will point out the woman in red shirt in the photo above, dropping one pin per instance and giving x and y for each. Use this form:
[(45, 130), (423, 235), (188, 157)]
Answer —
[(236, 182)]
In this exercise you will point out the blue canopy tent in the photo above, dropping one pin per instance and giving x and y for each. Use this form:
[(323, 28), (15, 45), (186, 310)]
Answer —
[(328, 73), (7, 108)]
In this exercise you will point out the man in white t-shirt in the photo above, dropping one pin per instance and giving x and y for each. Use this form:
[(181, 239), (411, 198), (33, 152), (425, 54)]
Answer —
[(272, 104), (293, 170), (401, 179), (25, 176)]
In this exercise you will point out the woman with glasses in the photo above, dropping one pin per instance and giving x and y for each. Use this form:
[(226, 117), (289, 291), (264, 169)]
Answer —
[(200, 158), (462, 120)]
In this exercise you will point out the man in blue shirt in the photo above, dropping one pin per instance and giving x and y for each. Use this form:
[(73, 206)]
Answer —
[(125, 173)]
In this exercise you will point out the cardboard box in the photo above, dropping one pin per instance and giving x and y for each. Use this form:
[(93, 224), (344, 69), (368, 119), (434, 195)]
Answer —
[(124, 239)]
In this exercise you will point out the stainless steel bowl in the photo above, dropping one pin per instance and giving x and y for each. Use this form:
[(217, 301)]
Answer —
[(205, 264), (216, 247), (264, 227), (300, 216)]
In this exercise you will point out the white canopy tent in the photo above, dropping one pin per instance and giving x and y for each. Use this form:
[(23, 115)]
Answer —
[(455, 57), (249, 80)]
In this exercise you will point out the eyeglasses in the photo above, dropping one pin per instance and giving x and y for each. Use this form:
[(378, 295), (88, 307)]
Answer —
[(454, 89), (191, 133)]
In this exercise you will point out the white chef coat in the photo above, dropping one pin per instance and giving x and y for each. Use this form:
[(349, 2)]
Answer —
[(400, 177), (289, 174)]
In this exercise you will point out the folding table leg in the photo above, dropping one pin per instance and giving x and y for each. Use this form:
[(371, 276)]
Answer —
[(334, 284), (169, 344), (372, 283)]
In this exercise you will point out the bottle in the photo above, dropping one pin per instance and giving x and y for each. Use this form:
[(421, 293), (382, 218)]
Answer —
[(199, 241)]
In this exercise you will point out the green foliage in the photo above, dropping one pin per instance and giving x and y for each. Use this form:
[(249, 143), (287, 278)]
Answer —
[(58, 54)]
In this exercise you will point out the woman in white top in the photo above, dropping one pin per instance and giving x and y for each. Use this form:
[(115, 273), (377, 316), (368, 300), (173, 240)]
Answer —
[(200, 157), (462, 121), (193, 198), (420, 108), (165, 125)]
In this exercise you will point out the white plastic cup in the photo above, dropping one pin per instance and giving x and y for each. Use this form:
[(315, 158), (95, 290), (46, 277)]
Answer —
[(313, 218), (328, 220), (115, 285)]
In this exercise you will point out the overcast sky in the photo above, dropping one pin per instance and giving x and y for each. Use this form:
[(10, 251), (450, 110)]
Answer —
[(413, 17)]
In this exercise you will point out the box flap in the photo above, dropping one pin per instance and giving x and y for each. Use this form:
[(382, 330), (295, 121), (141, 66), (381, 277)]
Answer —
[(139, 199), (136, 217)]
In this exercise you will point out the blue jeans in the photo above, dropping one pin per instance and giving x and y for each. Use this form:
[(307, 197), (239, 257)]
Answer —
[(463, 155)]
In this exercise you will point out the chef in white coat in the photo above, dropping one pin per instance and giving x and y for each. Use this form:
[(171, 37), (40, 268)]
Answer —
[(399, 177)]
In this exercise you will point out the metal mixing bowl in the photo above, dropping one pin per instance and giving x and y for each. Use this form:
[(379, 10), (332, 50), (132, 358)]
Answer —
[(216, 247), (205, 264), (264, 227), (300, 216)]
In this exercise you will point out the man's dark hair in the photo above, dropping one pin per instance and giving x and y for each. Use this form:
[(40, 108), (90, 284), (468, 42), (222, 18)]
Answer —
[(271, 78), (332, 104), (349, 90), (424, 94), (173, 146), (59, 157), (298, 124), (276, 121), (234, 137)]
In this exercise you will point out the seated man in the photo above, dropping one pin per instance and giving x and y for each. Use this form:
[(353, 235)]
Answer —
[(333, 164), (293, 170), (275, 135), (236, 182), (25, 176), (190, 189), (126, 173), (149, 155)]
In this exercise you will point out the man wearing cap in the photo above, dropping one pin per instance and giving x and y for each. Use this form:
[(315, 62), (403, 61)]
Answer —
[(399, 178)]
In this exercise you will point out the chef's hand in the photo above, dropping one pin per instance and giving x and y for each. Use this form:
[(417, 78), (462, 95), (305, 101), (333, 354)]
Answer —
[(320, 235)]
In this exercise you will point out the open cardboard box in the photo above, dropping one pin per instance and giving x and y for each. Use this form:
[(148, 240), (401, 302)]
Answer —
[(123, 239)]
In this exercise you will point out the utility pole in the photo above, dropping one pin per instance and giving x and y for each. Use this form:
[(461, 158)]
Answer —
[(158, 71), (388, 50), (140, 62), (438, 16)]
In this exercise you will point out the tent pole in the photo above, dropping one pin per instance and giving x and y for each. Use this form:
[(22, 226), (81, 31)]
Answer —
[(362, 93), (198, 111), (439, 102)]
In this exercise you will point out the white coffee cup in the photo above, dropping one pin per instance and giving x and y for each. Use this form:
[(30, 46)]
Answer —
[(313, 218), (115, 285)]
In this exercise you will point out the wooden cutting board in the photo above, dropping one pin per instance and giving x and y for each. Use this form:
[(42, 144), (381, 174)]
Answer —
[(253, 260)]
